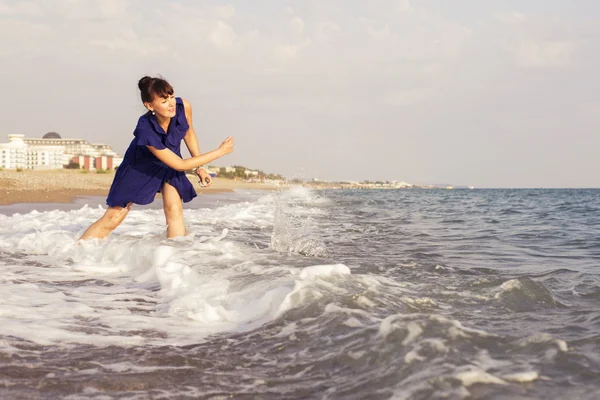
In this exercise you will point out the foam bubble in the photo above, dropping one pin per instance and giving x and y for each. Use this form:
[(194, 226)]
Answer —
[(474, 375), (525, 294), (522, 377), (320, 271), (544, 338), (414, 331)]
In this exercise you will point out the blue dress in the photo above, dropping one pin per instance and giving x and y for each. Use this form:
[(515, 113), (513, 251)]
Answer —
[(141, 175)]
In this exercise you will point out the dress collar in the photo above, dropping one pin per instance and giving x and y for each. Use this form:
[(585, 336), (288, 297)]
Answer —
[(155, 124)]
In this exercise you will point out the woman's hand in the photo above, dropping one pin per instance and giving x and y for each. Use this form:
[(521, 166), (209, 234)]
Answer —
[(227, 146), (205, 179)]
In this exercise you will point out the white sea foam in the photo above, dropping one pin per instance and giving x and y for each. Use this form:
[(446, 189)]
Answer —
[(522, 377), (473, 375), (316, 271), (544, 338), (512, 284), (175, 291), (313, 283)]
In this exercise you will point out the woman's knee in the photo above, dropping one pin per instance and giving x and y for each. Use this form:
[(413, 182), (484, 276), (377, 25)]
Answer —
[(114, 216), (173, 210)]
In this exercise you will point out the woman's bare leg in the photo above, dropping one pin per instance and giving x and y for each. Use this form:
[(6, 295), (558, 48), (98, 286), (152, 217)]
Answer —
[(107, 223), (173, 207)]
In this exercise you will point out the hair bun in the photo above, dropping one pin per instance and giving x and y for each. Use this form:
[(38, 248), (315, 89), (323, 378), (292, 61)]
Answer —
[(145, 82), (153, 87)]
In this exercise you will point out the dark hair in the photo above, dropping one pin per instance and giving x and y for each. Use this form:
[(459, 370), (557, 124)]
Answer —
[(150, 87)]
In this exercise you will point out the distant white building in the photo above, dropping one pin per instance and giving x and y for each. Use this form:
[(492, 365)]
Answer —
[(54, 152), (16, 154)]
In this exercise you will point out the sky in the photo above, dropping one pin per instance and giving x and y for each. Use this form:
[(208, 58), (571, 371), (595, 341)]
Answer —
[(495, 93)]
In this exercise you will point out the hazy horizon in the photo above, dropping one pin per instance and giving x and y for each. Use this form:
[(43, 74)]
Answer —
[(498, 94)]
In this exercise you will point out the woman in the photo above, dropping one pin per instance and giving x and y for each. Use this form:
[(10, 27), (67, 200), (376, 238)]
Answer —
[(153, 162)]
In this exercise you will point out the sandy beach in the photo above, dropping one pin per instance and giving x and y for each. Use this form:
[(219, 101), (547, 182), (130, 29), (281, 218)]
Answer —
[(62, 186)]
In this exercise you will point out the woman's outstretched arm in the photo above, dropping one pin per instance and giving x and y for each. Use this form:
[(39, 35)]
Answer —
[(179, 164)]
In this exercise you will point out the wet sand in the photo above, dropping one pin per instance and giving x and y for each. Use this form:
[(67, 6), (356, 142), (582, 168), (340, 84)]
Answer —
[(63, 186)]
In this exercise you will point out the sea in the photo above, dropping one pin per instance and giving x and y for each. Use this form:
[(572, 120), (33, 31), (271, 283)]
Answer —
[(307, 294)]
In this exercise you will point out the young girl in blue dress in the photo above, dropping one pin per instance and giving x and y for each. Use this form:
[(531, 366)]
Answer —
[(153, 161)]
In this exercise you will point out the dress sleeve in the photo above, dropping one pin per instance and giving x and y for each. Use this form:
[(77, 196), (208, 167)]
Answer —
[(146, 136)]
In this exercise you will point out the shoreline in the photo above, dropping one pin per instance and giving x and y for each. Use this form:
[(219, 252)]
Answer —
[(65, 186)]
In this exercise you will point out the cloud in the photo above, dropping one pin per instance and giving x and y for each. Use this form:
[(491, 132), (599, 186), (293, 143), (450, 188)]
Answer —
[(534, 41), (405, 97), (25, 38), (297, 25), (550, 53), (511, 18), (23, 8), (115, 8), (405, 6), (325, 30), (222, 35), (291, 51), (378, 33), (224, 11), (72, 9), (127, 42)]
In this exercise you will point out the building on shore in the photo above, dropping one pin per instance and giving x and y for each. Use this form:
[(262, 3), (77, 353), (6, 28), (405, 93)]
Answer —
[(16, 154), (53, 152)]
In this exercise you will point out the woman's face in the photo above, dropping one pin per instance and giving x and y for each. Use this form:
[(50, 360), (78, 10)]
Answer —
[(163, 106)]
